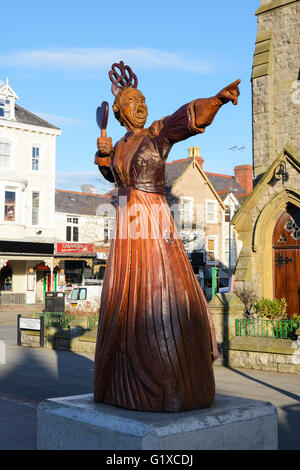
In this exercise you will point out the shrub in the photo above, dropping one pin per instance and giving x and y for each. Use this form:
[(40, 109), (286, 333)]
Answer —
[(271, 309), (295, 317), (249, 298)]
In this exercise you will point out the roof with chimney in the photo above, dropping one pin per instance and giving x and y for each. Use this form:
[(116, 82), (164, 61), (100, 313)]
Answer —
[(224, 183), (221, 183), (75, 202), (174, 170)]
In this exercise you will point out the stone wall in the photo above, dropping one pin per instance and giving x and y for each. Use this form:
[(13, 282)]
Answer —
[(276, 117), (271, 354), (276, 141)]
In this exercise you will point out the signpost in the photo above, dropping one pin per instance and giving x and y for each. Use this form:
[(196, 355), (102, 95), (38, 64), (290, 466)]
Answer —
[(34, 324)]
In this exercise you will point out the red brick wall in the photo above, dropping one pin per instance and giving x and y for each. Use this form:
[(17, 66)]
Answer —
[(244, 176)]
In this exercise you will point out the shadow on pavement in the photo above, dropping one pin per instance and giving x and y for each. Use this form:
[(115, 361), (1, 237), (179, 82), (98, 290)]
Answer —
[(37, 374), (288, 416)]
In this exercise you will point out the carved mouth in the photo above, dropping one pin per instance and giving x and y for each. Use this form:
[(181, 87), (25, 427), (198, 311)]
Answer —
[(140, 113)]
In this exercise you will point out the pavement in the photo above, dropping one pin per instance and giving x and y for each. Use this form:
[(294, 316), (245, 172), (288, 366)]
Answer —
[(30, 376)]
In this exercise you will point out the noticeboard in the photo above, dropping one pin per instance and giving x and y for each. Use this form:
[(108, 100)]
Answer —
[(33, 324)]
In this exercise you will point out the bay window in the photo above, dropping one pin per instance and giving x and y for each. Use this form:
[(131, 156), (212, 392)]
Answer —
[(10, 206)]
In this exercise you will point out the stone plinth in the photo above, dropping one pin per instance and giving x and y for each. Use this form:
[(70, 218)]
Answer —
[(77, 422)]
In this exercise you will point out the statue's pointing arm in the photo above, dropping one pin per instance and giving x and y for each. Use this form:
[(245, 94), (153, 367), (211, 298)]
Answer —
[(195, 116)]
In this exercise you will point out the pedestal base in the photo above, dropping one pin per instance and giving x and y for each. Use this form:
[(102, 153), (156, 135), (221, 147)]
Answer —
[(77, 422)]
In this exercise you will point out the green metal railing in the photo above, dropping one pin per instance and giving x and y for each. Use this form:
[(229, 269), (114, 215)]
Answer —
[(283, 329)]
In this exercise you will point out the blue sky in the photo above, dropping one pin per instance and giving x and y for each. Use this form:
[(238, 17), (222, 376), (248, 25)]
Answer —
[(57, 56)]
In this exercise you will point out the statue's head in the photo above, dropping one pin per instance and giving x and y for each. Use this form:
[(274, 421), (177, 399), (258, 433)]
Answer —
[(129, 106)]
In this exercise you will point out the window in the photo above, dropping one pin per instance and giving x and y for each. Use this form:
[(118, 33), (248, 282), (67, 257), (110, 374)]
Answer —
[(106, 227), (211, 250), (231, 249), (227, 250), (227, 214), (35, 158), (74, 294), (4, 108), (107, 231), (10, 206), (5, 154), (72, 229), (82, 294), (186, 212), (211, 211), (78, 294), (35, 208)]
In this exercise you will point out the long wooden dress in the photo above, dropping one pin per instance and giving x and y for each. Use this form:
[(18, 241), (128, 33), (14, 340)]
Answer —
[(156, 342)]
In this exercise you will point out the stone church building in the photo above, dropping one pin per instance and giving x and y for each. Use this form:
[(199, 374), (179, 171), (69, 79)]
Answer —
[(268, 223)]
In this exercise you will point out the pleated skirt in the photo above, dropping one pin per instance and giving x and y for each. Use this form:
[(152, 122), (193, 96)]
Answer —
[(156, 343)]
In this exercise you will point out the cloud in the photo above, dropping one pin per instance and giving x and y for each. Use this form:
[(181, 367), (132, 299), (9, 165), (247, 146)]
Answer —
[(85, 59), (73, 180), (60, 120)]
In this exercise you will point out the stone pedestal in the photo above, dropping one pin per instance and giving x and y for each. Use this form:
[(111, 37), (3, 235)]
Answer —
[(77, 422)]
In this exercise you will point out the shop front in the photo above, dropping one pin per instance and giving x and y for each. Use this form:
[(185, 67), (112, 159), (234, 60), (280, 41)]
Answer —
[(74, 263), (21, 264)]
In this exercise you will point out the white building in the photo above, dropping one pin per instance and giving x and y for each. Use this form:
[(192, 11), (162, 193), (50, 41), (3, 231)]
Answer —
[(27, 195)]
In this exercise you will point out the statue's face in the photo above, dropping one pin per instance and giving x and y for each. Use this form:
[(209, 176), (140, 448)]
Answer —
[(134, 110)]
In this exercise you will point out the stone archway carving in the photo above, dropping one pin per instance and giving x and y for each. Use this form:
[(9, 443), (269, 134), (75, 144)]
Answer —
[(263, 237), (267, 219)]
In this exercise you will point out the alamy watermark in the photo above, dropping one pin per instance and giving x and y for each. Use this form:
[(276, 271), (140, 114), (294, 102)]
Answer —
[(296, 92), (156, 221)]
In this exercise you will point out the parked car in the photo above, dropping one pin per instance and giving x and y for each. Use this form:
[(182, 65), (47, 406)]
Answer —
[(85, 299)]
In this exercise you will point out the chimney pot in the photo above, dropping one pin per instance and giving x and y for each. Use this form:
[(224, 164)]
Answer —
[(194, 152)]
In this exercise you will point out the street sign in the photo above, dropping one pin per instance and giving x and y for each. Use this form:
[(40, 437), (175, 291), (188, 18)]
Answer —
[(30, 323), (34, 324)]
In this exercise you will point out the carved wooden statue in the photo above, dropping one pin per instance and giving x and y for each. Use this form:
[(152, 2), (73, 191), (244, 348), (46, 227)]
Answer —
[(156, 342)]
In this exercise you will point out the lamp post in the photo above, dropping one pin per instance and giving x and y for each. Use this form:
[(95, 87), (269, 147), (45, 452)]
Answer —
[(230, 191)]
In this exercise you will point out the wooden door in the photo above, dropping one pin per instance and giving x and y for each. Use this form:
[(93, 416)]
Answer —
[(286, 259)]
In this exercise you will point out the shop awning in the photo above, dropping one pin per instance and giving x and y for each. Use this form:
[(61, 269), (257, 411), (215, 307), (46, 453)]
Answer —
[(26, 247)]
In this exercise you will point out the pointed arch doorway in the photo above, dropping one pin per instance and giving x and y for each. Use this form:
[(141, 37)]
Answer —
[(286, 258)]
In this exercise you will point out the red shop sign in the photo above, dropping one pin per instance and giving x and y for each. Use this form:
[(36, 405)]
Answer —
[(74, 248)]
